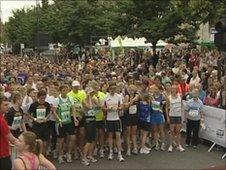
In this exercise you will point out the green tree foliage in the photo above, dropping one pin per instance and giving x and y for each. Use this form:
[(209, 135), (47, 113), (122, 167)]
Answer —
[(68, 21)]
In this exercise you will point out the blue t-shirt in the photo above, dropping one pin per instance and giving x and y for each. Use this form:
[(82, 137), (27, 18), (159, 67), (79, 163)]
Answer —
[(144, 111), (157, 105)]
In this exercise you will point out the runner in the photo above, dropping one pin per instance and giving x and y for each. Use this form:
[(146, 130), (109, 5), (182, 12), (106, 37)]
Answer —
[(194, 113), (39, 112), (15, 116), (91, 108), (30, 157), (100, 121), (79, 96), (173, 112), (5, 136), (157, 118), (112, 105), (144, 111), (67, 123), (131, 118)]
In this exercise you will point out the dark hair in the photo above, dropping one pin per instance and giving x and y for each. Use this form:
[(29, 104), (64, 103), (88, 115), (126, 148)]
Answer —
[(3, 99), (41, 93), (35, 145), (63, 87), (29, 90)]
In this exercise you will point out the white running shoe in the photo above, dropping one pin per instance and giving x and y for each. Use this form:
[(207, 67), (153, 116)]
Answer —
[(69, 159), (101, 153), (85, 162), (163, 147), (110, 156), (120, 158), (92, 159), (135, 151), (144, 151), (147, 148), (61, 160), (128, 153), (180, 148), (170, 148)]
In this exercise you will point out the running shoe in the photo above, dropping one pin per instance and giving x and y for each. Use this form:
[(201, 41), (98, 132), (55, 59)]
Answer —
[(170, 148), (101, 153), (144, 151), (163, 147), (120, 158), (85, 162), (135, 151), (128, 153), (92, 159), (110, 156), (61, 160), (180, 148), (69, 159)]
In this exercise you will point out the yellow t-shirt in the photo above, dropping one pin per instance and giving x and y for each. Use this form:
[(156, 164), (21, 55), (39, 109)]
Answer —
[(100, 115), (78, 98)]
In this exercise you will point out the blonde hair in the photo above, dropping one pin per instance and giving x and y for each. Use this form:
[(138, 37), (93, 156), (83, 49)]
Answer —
[(34, 144)]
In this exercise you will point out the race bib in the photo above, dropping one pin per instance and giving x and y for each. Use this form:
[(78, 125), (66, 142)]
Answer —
[(17, 122), (41, 113), (92, 112), (66, 116), (133, 109), (193, 113)]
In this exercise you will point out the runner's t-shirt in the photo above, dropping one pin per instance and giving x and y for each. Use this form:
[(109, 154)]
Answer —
[(113, 102), (64, 108), (78, 98), (40, 111), (100, 114), (14, 119)]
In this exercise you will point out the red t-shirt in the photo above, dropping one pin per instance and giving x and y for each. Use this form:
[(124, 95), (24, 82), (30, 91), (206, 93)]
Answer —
[(4, 142)]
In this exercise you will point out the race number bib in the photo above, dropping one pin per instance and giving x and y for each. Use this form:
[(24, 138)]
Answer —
[(66, 116), (41, 113), (17, 122), (193, 113), (133, 109)]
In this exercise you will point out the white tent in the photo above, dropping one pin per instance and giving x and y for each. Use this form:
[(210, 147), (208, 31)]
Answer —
[(138, 42)]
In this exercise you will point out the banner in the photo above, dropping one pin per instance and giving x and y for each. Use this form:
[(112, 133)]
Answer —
[(214, 125)]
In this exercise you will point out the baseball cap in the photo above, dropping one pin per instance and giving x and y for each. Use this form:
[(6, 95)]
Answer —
[(75, 83), (89, 90)]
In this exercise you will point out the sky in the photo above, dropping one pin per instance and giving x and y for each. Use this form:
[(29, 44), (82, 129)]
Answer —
[(8, 5)]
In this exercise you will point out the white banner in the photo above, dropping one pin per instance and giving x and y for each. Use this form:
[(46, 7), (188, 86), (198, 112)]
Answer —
[(215, 125)]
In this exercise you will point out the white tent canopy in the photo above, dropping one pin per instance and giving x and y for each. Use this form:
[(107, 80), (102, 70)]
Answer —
[(138, 42)]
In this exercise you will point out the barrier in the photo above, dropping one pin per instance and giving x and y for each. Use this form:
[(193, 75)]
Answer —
[(215, 126)]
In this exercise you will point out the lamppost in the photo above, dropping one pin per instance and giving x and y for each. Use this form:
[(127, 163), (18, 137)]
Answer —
[(37, 15)]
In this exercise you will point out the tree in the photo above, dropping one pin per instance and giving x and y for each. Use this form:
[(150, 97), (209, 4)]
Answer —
[(153, 20)]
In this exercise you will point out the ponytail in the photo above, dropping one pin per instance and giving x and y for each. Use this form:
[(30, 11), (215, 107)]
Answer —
[(38, 147)]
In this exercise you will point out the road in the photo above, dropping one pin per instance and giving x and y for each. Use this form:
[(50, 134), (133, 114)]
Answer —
[(190, 159)]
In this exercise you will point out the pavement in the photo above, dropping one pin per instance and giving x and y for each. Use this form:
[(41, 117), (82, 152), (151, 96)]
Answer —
[(192, 158)]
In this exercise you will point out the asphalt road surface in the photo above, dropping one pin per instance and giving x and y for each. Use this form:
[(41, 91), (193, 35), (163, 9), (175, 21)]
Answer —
[(190, 159)]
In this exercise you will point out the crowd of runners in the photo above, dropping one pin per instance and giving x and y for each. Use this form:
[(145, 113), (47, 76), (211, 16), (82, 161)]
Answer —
[(96, 107)]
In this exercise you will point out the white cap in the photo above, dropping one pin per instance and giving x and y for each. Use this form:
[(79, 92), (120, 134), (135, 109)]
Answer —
[(89, 90), (75, 83)]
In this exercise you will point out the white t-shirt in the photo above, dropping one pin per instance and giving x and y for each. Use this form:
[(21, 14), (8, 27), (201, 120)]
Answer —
[(26, 105), (113, 101), (53, 103)]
